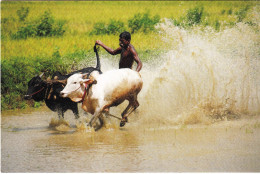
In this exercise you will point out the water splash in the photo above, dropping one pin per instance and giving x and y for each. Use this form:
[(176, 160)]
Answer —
[(59, 124), (207, 76)]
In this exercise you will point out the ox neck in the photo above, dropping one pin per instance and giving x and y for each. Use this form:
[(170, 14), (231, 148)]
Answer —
[(42, 92), (86, 87), (37, 91), (86, 90)]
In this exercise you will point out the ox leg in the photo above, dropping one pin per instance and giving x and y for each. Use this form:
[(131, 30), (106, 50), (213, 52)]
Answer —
[(60, 113), (126, 110), (133, 104), (94, 124), (101, 121), (75, 111), (93, 120)]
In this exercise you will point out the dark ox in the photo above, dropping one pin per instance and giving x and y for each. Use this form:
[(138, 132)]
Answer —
[(49, 90)]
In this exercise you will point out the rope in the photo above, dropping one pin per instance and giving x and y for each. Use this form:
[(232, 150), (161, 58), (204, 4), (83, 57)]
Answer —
[(113, 116), (37, 92)]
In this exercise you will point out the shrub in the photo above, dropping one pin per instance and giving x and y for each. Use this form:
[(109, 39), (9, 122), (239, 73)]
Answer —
[(22, 13), (24, 32), (14, 79), (135, 23), (149, 23), (99, 28), (58, 28), (194, 16), (230, 11), (217, 25), (114, 27), (44, 26), (8, 26), (143, 23), (179, 22), (241, 13)]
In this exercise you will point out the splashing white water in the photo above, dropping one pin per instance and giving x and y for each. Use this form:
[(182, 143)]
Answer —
[(205, 77)]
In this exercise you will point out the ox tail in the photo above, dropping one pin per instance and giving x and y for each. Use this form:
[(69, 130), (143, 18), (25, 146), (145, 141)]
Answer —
[(98, 60)]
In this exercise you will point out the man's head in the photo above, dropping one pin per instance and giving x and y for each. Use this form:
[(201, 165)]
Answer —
[(124, 39)]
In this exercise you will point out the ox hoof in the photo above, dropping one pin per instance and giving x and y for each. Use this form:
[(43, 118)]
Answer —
[(123, 121)]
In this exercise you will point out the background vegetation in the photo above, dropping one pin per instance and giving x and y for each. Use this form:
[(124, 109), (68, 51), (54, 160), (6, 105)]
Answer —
[(56, 36)]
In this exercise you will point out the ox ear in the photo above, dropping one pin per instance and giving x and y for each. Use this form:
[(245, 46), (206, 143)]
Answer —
[(92, 80), (88, 81), (85, 76), (62, 81)]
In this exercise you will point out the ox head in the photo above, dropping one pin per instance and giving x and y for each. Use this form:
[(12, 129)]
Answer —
[(75, 87), (36, 88)]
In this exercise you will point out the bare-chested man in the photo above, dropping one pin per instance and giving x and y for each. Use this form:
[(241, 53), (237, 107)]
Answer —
[(128, 53)]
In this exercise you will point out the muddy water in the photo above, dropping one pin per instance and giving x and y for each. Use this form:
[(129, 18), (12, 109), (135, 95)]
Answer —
[(199, 112), (29, 144)]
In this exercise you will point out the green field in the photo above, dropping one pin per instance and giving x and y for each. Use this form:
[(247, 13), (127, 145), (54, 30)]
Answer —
[(37, 53), (81, 16)]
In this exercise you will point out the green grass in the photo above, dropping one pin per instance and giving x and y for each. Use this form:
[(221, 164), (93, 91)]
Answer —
[(80, 18), (36, 54)]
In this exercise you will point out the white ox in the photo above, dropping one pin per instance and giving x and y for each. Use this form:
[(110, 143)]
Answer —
[(102, 91)]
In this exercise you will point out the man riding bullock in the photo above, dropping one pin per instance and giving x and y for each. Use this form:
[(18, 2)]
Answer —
[(127, 51)]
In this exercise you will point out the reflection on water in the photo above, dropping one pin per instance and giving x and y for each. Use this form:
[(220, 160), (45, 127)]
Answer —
[(30, 145)]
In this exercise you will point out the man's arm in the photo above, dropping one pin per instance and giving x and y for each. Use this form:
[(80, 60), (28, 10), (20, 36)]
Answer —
[(136, 59), (109, 50)]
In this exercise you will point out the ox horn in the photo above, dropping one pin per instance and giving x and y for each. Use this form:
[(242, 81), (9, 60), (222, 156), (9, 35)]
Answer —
[(62, 81), (41, 75), (57, 81)]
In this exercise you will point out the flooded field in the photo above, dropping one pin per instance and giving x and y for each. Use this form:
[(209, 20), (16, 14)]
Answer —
[(199, 112), (30, 145)]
